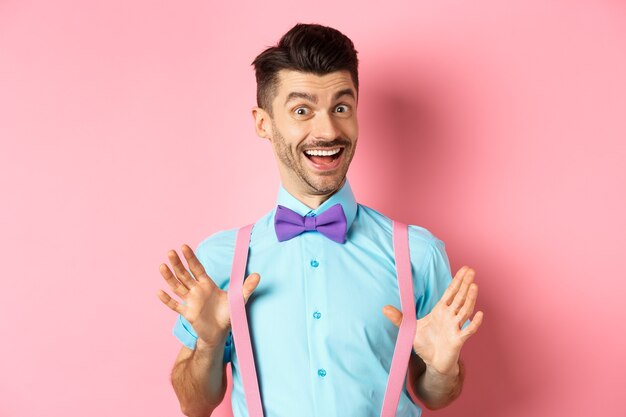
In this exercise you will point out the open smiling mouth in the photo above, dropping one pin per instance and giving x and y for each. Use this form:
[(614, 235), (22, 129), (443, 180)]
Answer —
[(324, 159)]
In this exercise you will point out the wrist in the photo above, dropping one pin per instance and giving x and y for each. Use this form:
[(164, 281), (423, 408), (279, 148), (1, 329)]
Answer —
[(219, 343), (450, 373)]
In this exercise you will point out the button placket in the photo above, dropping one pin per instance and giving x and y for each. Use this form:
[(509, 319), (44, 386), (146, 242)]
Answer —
[(315, 246)]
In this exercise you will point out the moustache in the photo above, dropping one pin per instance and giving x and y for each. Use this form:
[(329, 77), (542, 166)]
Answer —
[(327, 145)]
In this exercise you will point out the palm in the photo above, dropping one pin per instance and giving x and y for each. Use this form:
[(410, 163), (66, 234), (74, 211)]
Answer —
[(438, 339), (206, 306), (206, 309), (439, 336)]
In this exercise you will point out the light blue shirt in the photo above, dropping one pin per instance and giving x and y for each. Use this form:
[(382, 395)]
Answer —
[(322, 346)]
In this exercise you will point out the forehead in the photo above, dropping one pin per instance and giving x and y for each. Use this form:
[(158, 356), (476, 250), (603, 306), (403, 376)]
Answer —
[(323, 86)]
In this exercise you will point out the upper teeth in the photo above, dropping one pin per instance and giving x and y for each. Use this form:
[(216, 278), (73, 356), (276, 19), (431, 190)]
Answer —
[(319, 152)]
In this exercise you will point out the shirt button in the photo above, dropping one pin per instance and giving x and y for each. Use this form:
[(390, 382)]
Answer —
[(321, 372), (317, 315), (314, 263)]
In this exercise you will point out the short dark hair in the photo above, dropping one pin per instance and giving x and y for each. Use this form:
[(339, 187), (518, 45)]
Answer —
[(309, 48)]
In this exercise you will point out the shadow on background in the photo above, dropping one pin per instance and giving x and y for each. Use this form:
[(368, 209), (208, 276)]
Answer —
[(416, 125)]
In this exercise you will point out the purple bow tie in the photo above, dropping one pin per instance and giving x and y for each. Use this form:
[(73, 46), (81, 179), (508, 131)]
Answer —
[(331, 223)]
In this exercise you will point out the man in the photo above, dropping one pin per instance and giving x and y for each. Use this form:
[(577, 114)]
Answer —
[(320, 309)]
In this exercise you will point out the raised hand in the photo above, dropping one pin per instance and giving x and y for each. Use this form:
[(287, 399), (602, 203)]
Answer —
[(206, 306), (439, 336)]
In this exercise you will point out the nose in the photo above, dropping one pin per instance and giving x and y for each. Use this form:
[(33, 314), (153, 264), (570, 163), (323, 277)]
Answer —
[(325, 127)]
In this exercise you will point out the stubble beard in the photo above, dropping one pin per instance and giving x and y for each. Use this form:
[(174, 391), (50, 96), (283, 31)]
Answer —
[(315, 184)]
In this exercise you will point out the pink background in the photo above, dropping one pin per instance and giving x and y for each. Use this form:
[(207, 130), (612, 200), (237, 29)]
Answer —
[(126, 131)]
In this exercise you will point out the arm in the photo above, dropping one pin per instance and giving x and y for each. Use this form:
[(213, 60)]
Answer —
[(199, 379), (199, 376)]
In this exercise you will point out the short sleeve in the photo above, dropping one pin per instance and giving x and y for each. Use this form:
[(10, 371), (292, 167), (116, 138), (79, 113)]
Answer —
[(435, 275), (431, 269), (215, 254)]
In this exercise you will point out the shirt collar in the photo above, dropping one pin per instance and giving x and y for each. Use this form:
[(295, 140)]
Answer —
[(343, 196)]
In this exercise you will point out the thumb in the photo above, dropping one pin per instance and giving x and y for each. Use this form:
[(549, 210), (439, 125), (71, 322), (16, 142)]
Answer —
[(393, 314), (249, 285)]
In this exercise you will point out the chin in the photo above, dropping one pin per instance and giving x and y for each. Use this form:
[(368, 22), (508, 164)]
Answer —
[(328, 184)]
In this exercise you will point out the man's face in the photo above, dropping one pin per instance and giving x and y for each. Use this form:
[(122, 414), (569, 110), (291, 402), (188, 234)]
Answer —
[(314, 129)]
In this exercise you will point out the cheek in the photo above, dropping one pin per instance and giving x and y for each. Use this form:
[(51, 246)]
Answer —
[(354, 133), (351, 129), (295, 134)]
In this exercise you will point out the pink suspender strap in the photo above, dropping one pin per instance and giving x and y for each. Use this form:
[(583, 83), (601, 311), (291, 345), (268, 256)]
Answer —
[(239, 323), (404, 342), (406, 334)]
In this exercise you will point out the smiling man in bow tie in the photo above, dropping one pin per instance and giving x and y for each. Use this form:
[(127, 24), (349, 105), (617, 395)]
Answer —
[(321, 300)]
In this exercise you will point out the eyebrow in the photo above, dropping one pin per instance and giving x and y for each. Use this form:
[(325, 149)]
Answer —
[(313, 98)]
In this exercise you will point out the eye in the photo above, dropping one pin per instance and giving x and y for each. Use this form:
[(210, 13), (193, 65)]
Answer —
[(302, 111), (342, 108)]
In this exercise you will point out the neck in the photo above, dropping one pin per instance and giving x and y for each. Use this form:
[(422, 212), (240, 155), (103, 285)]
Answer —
[(311, 200)]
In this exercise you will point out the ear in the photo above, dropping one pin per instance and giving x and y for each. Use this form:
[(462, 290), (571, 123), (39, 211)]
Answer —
[(262, 122)]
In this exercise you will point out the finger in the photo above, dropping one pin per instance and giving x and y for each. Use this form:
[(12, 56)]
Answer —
[(473, 326), (454, 286), (249, 285), (170, 302), (468, 307), (176, 286), (181, 272), (459, 298), (194, 264), (393, 314)]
